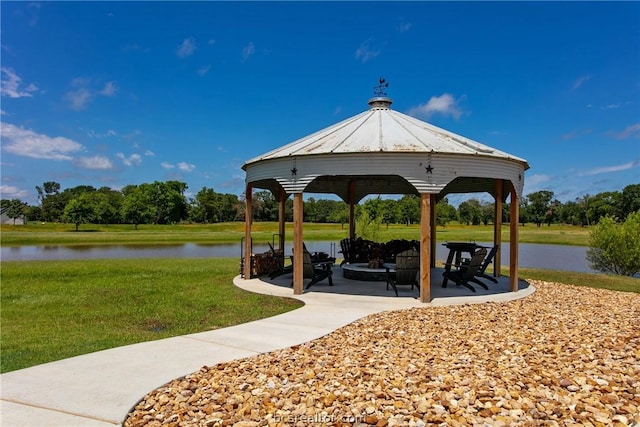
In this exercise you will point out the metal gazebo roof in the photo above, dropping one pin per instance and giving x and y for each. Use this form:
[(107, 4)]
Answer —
[(382, 151)]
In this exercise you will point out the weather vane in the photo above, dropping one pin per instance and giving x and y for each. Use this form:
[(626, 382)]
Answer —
[(379, 90)]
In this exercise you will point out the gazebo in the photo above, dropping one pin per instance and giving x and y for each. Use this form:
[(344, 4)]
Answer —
[(382, 151)]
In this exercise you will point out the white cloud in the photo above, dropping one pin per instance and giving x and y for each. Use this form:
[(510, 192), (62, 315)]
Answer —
[(109, 89), (186, 167), (580, 81), (95, 162), (611, 106), (614, 168), (444, 104), (132, 160), (166, 165), (575, 134), (10, 85), (24, 142), (11, 192), (149, 153), (82, 94), (403, 27), (204, 70), (366, 51), (78, 99), (248, 51), (186, 48), (632, 131), (537, 179)]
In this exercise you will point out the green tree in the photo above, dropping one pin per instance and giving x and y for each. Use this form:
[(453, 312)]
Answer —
[(487, 212), (409, 209), (570, 213), (340, 214), (539, 209), (203, 208), (605, 204), (630, 200), (16, 209), (52, 203), (470, 212), (136, 208), (79, 210), (389, 211), (367, 227), (309, 210), (265, 206), (210, 207), (445, 213), (107, 204), (615, 248)]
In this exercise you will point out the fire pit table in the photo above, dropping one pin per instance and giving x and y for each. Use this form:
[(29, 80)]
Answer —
[(361, 271)]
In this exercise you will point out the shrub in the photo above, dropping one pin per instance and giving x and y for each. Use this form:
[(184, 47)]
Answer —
[(615, 248)]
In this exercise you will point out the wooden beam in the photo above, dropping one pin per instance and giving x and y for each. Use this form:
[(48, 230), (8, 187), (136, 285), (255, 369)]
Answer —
[(497, 229), (298, 260), (513, 240), (248, 216), (282, 212), (425, 247), (433, 230), (352, 216)]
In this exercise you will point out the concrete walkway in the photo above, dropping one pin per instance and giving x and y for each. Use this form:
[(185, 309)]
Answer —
[(99, 389)]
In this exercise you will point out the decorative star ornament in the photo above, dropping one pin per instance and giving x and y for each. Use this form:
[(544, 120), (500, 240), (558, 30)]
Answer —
[(429, 169), (294, 171)]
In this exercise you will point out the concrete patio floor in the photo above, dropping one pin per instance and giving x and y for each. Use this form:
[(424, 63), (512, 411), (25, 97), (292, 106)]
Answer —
[(452, 294)]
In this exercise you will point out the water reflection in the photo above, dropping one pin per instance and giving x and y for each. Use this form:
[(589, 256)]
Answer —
[(553, 257)]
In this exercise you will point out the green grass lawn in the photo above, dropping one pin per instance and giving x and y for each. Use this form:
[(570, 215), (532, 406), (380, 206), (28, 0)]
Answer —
[(57, 309), (262, 232)]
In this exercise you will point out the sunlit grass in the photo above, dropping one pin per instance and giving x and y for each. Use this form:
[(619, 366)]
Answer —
[(263, 232), (57, 309), (603, 281)]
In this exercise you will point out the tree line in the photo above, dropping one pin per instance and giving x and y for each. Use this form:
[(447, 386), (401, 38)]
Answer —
[(166, 203)]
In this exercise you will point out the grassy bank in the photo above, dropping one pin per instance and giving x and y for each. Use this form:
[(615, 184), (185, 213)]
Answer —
[(602, 281), (262, 232), (57, 309)]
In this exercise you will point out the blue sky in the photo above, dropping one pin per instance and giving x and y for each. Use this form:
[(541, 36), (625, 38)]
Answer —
[(118, 93)]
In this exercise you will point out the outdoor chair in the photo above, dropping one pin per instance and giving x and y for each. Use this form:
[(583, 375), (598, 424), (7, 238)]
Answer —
[(315, 273), (406, 271), (467, 271), (485, 263), (346, 247)]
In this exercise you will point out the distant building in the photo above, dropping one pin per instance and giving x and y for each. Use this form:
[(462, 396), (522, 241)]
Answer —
[(4, 218)]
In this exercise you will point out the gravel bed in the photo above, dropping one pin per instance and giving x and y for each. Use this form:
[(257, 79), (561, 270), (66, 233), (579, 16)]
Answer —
[(563, 356)]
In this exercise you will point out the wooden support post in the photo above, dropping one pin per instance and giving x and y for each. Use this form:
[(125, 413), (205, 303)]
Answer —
[(248, 216), (282, 212), (497, 229), (352, 216), (513, 240), (298, 252), (425, 247), (433, 230)]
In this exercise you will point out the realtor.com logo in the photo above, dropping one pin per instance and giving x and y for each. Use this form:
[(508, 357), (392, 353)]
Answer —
[(317, 419)]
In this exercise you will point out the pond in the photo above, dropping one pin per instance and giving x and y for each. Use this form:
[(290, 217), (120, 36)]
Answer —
[(553, 257)]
